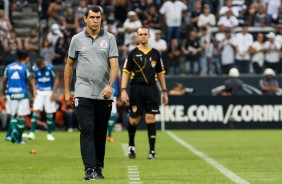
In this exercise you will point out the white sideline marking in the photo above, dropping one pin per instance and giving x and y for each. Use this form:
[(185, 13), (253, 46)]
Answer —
[(124, 148), (226, 172), (133, 177)]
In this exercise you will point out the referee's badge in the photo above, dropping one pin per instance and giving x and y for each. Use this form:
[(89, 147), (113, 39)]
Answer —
[(153, 63), (134, 108), (76, 102)]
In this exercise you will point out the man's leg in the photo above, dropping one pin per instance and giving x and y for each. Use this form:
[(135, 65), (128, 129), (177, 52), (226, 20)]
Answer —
[(111, 125), (50, 124), (85, 115), (20, 128), (102, 112), (131, 128), (34, 119), (152, 132)]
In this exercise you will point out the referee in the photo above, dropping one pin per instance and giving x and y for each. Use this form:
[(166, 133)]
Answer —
[(96, 53), (143, 65)]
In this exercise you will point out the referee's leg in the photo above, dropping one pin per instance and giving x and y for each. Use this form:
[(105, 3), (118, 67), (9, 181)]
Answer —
[(85, 116), (102, 110)]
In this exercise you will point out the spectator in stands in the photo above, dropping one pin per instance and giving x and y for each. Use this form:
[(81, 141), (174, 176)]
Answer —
[(71, 25), (268, 85), (18, 3), (227, 53), (272, 8), (257, 54), (43, 8), (220, 35), (79, 14), (213, 5), (139, 6), (179, 90), (56, 13), (5, 25), (196, 14), (233, 86), (60, 52), (173, 53), (228, 20), (31, 45), (152, 18), (110, 23), (254, 9), (243, 42), (54, 35), (172, 14), (158, 43), (131, 24), (229, 8), (11, 45), (260, 17), (241, 19), (204, 39), (272, 52), (191, 48), (214, 58), (277, 19), (120, 8), (47, 52), (206, 19)]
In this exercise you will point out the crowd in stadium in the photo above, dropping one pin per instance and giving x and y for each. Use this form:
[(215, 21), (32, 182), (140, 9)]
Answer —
[(195, 37)]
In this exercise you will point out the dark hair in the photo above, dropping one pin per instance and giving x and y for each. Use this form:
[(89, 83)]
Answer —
[(21, 55), (93, 8), (39, 60)]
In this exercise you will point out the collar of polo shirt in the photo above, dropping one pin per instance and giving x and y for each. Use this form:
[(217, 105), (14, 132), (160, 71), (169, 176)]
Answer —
[(99, 34)]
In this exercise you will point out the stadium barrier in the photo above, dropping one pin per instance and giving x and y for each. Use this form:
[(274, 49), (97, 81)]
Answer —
[(208, 112)]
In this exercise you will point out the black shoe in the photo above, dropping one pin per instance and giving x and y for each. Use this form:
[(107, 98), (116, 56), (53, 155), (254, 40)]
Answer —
[(152, 155), (90, 174), (131, 152), (98, 171)]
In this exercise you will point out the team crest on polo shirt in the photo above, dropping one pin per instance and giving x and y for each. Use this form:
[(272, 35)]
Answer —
[(104, 44), (153, 63), (134, 108)]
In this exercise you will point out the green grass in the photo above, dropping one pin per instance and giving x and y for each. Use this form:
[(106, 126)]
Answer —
[(254, 155)]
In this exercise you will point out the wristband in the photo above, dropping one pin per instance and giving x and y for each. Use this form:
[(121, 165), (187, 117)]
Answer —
[(121, 89)]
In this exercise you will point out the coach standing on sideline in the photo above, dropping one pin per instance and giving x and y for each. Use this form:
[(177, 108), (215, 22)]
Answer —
[(96, 53), (143, 65)]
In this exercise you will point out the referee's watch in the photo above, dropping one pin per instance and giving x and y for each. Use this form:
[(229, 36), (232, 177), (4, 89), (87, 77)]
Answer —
[(164, 91), (111, 84)]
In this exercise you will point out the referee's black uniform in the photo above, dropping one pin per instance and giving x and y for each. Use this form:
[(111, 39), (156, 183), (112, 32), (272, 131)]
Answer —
[(143, 67)]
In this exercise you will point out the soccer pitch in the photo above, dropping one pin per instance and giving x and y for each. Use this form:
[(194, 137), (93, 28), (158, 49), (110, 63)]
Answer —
[(192, 156)]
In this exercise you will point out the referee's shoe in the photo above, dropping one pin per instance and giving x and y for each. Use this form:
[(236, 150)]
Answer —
[(152, 155), (90, 174), (131, 152)]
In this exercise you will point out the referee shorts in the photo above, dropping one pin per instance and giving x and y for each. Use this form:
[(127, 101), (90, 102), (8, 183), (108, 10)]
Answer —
[(144, 97)]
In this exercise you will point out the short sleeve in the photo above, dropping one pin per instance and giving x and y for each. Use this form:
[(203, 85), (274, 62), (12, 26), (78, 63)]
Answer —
[(113, 50), (160, 64), (5, 72), (128, 64), (72, 53)]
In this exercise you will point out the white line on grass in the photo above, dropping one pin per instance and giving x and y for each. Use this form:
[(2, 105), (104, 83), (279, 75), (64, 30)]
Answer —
[(133, 177), (133, 171), (228, 173), (124, 148)]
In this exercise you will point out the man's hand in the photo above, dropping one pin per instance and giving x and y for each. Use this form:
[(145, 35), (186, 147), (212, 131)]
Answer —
[(124, 96), (165, 98), (69, 99), (107, 92), (52, 98)]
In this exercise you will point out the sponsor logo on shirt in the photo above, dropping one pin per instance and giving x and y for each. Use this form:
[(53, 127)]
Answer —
[(44, 79), (15, 75)]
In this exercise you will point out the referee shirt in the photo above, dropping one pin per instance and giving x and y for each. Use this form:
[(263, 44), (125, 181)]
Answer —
[(93, 68), (143, 66)]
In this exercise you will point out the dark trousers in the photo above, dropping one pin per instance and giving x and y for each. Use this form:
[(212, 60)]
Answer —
[(93, 116)]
